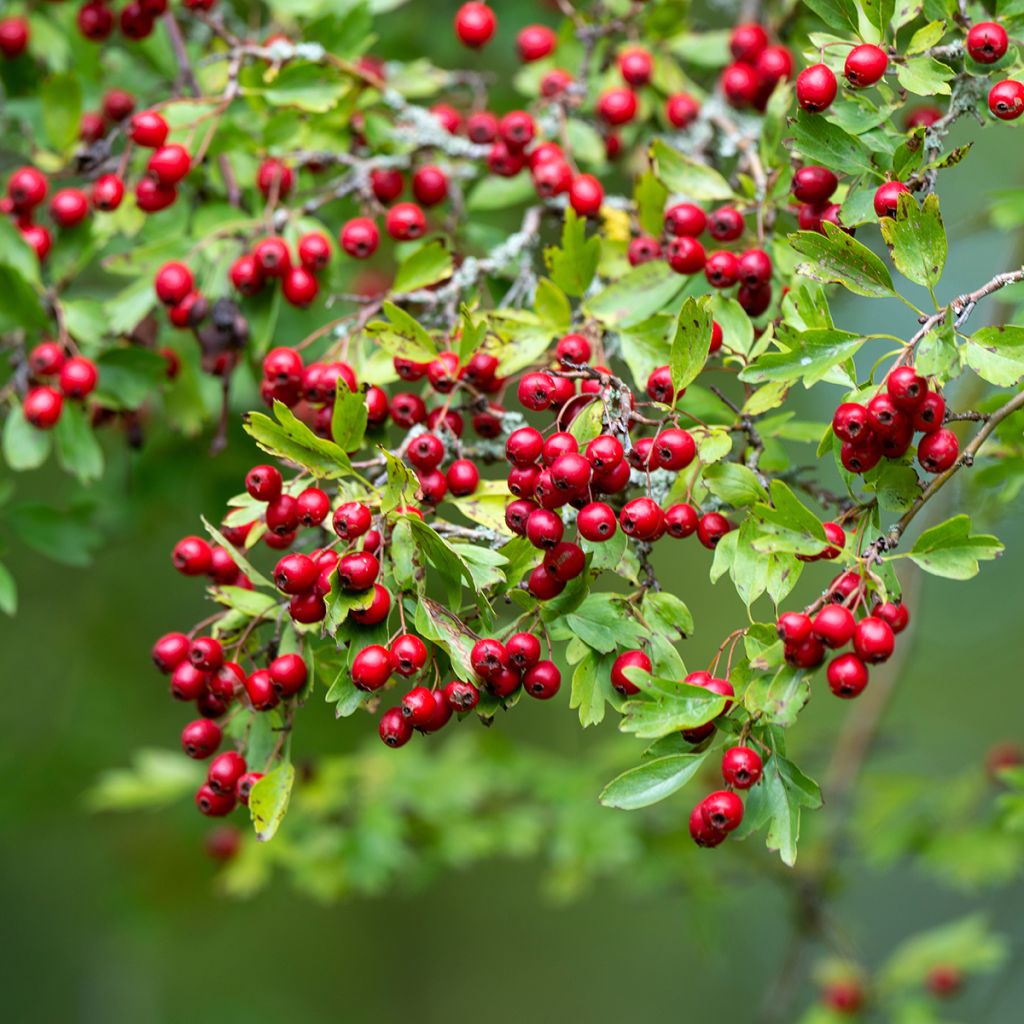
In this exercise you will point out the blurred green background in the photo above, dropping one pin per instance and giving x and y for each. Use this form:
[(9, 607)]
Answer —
[(117, 919)]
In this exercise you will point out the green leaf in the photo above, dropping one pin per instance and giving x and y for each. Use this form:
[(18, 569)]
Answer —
[(17, 254), (497, 193), (925, 38), (735, 484), (447, 630), (589, 423), (602, 623), (157, 778), (65, 535), (778, 799), (60, 98), (24, 446), (969, 943), (8, 591), (636, 296), (996, 354), (812, 356), (128, 376), (348, 421), (667, 706), (651, 781), (268, 800), (822, 142), (573, 265), (403, 336), (837, 257), (687, 177), (552, 306), (666, 614), (426, 266), (315, 88), (778, 697), (21, 307), (650, 195), (925, 76), (243, 563), (916, 239), (937, 354), (895, 484), (592, 687), (691, 343), (78, 451), (951, 550), (290, 438)]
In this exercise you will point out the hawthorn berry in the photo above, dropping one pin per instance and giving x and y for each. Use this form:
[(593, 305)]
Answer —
[(740, 85), (636, 67), (535, 42), (488, 658), (26, 188), (542, 680), (42, 407), (201, 738), (813, 184), (225, 770), (565, 561), (681, 109), (726, 224), (641, 518), (722, 810), (475, 24), (586, 195), (674, 449), (887, 198), (461, 696), (741, 767), (938, 451), (430, 185), (371, 668), (208, 800), (243, 788), (681, 520), (462, 477), (847, 676), (358, 571), (685, 255), (191, 556), (865, 65), (873, 640), (747, 41), (359, 238), (930, 413), (149, 129), (835, 625), (543, 584), (536, 391), (169, 164), (816, 88), (295, 573), (906, 388), (107, 192), (523, 650), (809, 654), (408, 654), (378, 609), (596, 521), (14, 37), (895, 613), (987, 42), (628, 659), (442, 713), (711, 528), (702, 833), (722, 269), (643, 249), (206, 654), (794, 627)]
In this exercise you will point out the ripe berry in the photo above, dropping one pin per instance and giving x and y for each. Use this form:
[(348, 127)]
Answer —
[(722, 810), (747, 41), (987, 42), (170, 651), (685, 255), (586, 195), (887, 198), (543, 584), (536, 391), (191, 556), (169, 164), (259, 688), (722, 269), (371, 667), (38, 239), (794, 628), (523, 650), (26, 188), (596, 521), (894, 613), (524, 445), (741, 767), (873, 640), (426, 452), (462, 477), (681, 521), (313, 505), (847, 676), (565, 561), (417, 706), (740, 85), (816, 88), (42, 407), (408, 654), (938, 451), (488, 658), (359, 238), (701, 833), (643, 249), (755, 267), (173, 282), (206, 654), (628, 659), (713, 526), (726, 224), (430, 185), (809, 654), (570, 472), (263, 483), (834, 625), (931, 412), (14, 36), (543, 680), (674, 449), (544, 528), (517, 130), (442, 713), (535, 42), (681, 109), (378, 609), (906, 388), (773, 65), (288, 673), (225, 770), (461, 696), (151, 196), (641, 518), (149, 129), (836, 537), (865, 65), (358, 571), (474, 24), (107, 192), (636, 67), (201, 738), (850, 422), (295, 573), (243, 787), (209, 802), (405, 221), (814, 184)]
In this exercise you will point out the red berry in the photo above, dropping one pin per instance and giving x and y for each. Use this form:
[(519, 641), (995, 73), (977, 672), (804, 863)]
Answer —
[(850, 422), (685, 255), (535, 42), (107, 192), (713, 526), (536, 391), (358, 571), (906, 388), (209, 802), (523, 650), (643, 249), (847, 676), (295, 573), (206, 654), (701, 833), (462, 477), (542, 680), (488, 658), (461, 696), (755, 267), (408, 654), (173, 282), (641, 518), (865, 65), (430, 185), (543, 584), (894, 613), (722, 810), (192, 556), (225, 770), (747, 41), (681, 109), (722, 269), (636, 67), (873, 640), (741, 767), (26, 188), (14, 36), (681, 521), (938, 451), (417, 706), (243, 787), (170, 651), (628, 659), (740, 85), (586, 195), (674, 449), (288, 673), (474, 24), (149, 129), (835, 625), (816, 88), (524, 445), (565, 561), (794, 628), (378, 609), (42, 407), (930, 414), (201, 738), (887, 198), (617, 105), (726, 224), (596, 521), (69, 207), (169, 164), (987, 42), (814, 184), (371, 668), (314, 251)]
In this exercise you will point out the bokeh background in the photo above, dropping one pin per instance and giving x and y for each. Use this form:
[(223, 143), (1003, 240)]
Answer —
[(117, 918)]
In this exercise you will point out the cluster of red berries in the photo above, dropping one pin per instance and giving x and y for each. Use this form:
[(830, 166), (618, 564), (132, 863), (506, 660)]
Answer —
[(757, 69), (806, 638), (271, 260), (885, 427), (681, 249), (76, 376), (816, 86), (97, 19), (117, 106), (721, 812)]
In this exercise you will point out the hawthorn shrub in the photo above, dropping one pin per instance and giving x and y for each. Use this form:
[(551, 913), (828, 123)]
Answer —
[(508, 353)]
